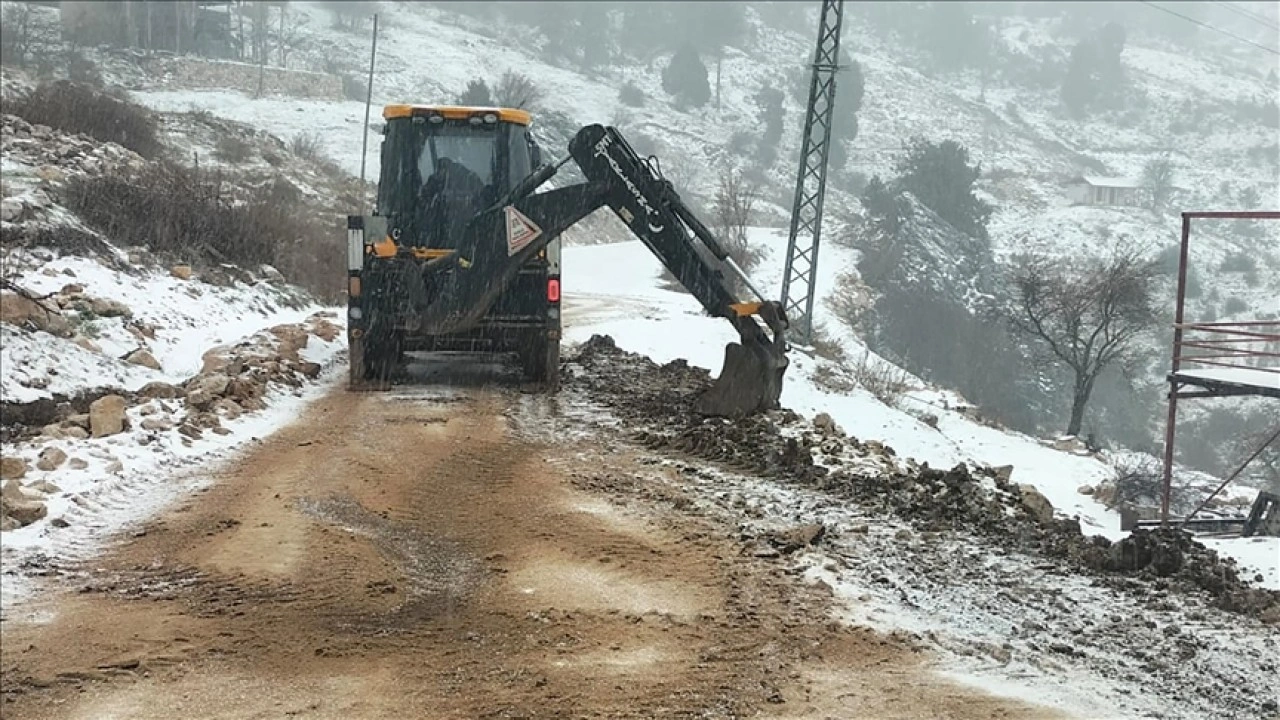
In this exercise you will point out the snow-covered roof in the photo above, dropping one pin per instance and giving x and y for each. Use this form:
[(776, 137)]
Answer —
[(1116, 182), (1265, 381)]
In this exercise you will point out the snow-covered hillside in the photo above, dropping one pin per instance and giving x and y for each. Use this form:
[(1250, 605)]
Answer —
[(1029, 148), (615, 290)]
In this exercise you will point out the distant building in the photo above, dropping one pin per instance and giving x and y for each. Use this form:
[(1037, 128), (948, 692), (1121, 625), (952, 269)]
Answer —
[(201, 27), (1094, 190)]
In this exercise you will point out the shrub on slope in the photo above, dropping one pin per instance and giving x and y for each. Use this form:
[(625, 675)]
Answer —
[(75, 108)]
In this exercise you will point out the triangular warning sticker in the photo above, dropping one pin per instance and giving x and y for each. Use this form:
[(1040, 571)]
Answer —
[(520, 231)]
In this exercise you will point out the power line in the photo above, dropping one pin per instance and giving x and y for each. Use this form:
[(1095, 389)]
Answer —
[(1273, 51), (1250, 15)]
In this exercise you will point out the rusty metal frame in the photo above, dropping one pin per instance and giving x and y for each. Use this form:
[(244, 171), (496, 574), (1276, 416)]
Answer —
[(1256, 332)]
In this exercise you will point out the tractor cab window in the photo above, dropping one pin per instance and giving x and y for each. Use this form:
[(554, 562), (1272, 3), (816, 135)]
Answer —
[(470, 153)]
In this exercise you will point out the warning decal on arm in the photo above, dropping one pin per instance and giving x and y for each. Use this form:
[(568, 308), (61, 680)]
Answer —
[(520, 231)]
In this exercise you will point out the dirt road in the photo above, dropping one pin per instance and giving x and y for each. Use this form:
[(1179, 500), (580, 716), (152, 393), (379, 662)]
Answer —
[(413, 554)]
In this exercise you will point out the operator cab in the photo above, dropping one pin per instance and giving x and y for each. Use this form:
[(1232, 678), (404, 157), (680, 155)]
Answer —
[(442, 165)]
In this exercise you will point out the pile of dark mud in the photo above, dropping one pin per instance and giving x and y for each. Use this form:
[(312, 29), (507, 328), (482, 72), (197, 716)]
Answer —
[(656, 404)]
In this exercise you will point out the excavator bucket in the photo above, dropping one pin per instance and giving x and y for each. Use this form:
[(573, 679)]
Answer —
[(751, 379)]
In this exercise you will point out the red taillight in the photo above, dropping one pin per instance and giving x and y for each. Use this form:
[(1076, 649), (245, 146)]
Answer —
[(553, 290)]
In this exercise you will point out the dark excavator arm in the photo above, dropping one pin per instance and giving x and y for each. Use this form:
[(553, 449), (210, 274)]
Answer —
[(462, 286)]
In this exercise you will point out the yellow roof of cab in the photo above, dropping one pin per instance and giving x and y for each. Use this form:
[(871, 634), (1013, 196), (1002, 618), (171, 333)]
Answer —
[(455, 112)]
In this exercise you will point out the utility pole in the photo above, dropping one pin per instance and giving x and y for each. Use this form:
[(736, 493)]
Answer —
[(368, 103), (798, 281)]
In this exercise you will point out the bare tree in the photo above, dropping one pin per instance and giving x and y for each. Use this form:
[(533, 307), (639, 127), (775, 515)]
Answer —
[(292, 33), (1088, 316), (1157, 178), (734, 203), (516, 90)]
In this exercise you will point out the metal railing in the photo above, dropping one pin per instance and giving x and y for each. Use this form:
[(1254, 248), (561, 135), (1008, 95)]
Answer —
[(1215, 345), (1233, 344)]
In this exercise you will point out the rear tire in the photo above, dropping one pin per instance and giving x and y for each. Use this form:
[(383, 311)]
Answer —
[(540, 361), (356, 364), (381, 358)]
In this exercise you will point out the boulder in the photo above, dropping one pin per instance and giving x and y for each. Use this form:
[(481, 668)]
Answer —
[(157, 389), (13, 490), (10, 209), (182, 272), (157, 424), (12, 468), (826, 425), (75, 432), (1086, 490), (292, 339), (202, 390), (45, 487), (80, 420), (87, 344), (227, 408), (215, 383), (106, 416), (52, 430), (76, 463), (50, 173), (51, 458), (102, 307), (1036, 503), (325, 330), (215, 360), (1003, 473), (25, 512), (143, 358), (309, 369), (241, 389)]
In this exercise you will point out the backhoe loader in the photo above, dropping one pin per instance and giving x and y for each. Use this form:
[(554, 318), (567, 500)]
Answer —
[(462, 250)]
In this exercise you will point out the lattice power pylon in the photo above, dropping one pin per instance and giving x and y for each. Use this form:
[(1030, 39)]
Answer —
[(811, 183)]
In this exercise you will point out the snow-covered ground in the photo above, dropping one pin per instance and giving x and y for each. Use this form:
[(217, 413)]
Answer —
[(187, 318), (129, 477), (614, 290), (108, 483)]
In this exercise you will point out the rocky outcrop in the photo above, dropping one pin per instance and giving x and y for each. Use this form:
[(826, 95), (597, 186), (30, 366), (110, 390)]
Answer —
[(143, 357), (57, 155), (27, 313)]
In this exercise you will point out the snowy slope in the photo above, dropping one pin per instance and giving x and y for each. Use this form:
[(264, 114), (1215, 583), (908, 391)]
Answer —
[(614, 290), (1028, 148), (188, 318)]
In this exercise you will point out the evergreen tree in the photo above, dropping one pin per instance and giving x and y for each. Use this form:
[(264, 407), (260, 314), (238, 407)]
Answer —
[(685, 78), (476, 95), (940, 176), (769, 100), (1079, 87)]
